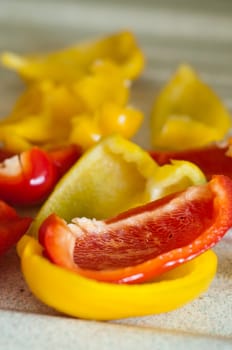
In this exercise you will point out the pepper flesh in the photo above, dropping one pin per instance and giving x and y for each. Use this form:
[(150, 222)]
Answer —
[(130, 178), (145, 241), (5, 154), (88, 129), (81, 297), (27, 178), (12, 227), (187, 114), (65, 157), (213, 159), (71, 89), (72, 63), (50, 114)]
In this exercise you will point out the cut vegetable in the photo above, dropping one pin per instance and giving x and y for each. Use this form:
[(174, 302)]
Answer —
[(113, 176), (27, 178), (187, 114), (213, 159), (12, 227), (72, 63), (145, 241), (81, 297)]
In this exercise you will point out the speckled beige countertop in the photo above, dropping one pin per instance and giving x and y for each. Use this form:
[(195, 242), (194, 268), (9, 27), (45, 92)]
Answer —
[(170, 32)]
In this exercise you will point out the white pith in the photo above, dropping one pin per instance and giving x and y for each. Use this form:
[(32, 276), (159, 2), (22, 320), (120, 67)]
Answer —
[(11, 166)]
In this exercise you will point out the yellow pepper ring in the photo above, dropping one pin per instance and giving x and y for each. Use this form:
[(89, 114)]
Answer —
[(81, 297)]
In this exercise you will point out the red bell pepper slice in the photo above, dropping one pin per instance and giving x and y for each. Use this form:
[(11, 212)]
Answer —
[(27, 178), (214, 159), (64, 157), (143, 242), (5, 154), (12, 227)]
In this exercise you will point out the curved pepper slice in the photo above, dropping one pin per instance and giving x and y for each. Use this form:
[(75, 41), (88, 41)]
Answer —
[(213, 159), (49, 114), (72, 63), (113, 176), (27, 178), (65, 157), (145, 241), (174, 177), (103, 83), (12, 227), (62, 157), (187, 114), (88, 129), (79, 296), (41, 116)]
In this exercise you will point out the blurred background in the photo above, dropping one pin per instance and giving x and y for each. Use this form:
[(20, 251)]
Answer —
[(170, 33)]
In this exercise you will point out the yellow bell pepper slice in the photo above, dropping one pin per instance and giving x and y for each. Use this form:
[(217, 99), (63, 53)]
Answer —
[(85, 298), (187, 113), (31, 128), (85, 130), (109, 178), (123, 120), (88, 129), (174, 177), (49, 114), (71, 64), (40, 116), (12, 142), (112, 177), (104, 82)]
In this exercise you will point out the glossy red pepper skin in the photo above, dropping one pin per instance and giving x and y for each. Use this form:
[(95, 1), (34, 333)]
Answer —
[(27, 178), (64, 157), (211, 160), (12, 227), (144, 242)]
